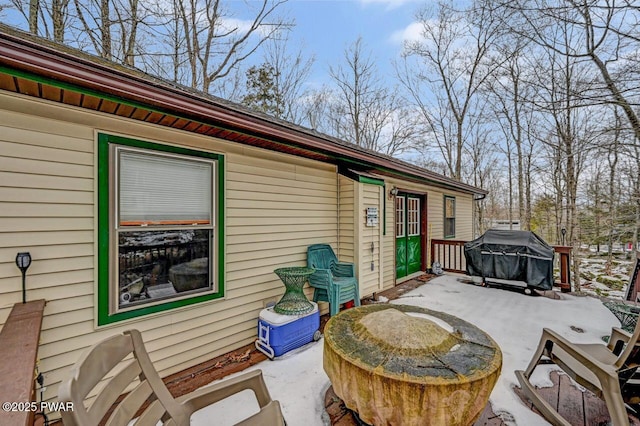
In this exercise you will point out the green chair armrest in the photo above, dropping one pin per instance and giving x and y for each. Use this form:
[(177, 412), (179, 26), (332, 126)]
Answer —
[(343, 269), (321, 278)]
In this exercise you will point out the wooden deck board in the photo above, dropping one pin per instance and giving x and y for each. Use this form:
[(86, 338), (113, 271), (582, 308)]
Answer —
[(550, 393), (578, 407), (595, 411), (570, 401)]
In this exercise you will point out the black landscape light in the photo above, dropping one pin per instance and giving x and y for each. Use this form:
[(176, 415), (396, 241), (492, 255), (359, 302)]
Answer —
[(564, 232), (23, 261)]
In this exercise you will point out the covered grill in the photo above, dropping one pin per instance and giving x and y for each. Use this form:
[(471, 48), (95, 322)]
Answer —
[(511, 255)]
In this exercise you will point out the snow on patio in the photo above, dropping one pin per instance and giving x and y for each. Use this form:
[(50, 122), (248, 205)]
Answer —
[(512, 319)]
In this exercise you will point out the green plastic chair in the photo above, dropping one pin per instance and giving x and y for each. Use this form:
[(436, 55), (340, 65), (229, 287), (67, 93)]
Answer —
[(334, 282)]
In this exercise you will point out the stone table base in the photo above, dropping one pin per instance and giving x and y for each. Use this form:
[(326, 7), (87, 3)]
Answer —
[(339, 415)]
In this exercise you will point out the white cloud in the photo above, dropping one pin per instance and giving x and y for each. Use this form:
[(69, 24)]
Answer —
[(391, 4), (242, 25), (411, 32)]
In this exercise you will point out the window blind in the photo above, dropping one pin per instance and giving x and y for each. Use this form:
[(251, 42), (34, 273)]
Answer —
[(158, 189)]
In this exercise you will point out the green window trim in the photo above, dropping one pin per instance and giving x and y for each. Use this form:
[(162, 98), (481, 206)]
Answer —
[(451, 217), (104, 236)]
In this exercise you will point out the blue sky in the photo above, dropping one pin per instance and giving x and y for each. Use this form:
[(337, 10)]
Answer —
[(327, 27)]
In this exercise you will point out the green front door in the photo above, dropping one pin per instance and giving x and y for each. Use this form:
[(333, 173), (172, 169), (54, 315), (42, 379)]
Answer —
[(408, 240)]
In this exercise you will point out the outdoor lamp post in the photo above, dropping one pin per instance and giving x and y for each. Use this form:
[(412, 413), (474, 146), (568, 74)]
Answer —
[(563, 231), (23, 261)]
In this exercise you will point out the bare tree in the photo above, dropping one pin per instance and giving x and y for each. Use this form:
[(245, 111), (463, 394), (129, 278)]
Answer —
[(59, 16), (291, 71), (510, 93), (30, 11), (366, 112), (95, 23), (571, 135), (316, 105), (34, 6), (451, 57), (47, 19), (127, 22), (606, 33), (216, 44)]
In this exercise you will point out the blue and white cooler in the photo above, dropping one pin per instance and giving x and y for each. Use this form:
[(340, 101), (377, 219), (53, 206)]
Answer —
[(279, 334)]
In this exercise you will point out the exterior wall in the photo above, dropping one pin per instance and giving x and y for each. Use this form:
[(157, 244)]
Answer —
[(464, 216), (369, 279), (276, 206), (347, 214), (435, 220), (355, 238)]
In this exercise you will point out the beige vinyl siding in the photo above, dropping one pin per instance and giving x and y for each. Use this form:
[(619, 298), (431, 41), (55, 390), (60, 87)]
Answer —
[(369, 280), (464, 218), (389, 243), (275, 210), (347, 215), (276, 205)]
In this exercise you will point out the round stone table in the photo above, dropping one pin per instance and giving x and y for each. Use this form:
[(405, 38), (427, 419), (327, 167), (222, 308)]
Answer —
[(405, 365)]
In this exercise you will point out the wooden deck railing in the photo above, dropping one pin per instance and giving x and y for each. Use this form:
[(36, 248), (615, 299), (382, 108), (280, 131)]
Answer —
[(450, 255), (19, 340), (634, 283)]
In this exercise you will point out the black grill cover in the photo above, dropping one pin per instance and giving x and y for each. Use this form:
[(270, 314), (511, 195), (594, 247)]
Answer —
[(511, 255)]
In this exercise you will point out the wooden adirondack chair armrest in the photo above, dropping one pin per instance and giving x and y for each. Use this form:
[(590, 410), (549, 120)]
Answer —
[(320, 278), (576, 353), (618, 335), (270, 415), (343, 269), (208, 395)]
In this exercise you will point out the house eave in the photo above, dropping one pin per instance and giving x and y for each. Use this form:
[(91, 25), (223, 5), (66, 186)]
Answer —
[(54, 65)]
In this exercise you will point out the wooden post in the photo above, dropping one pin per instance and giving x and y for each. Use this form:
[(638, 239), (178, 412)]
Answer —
[(565, 267), (634, 282)]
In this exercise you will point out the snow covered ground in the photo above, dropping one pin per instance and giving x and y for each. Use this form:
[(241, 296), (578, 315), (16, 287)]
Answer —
[(512, 319), (609, 281)]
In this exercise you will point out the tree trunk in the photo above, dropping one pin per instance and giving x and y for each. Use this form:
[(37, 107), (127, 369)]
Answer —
[(34, 9), (129, 56), (106, 29), (58, 12)]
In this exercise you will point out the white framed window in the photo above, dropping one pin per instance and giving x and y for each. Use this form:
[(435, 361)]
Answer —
[(449, 217)]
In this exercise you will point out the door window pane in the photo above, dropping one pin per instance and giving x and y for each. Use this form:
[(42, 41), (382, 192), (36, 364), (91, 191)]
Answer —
[(400, 217), (413, 216)]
